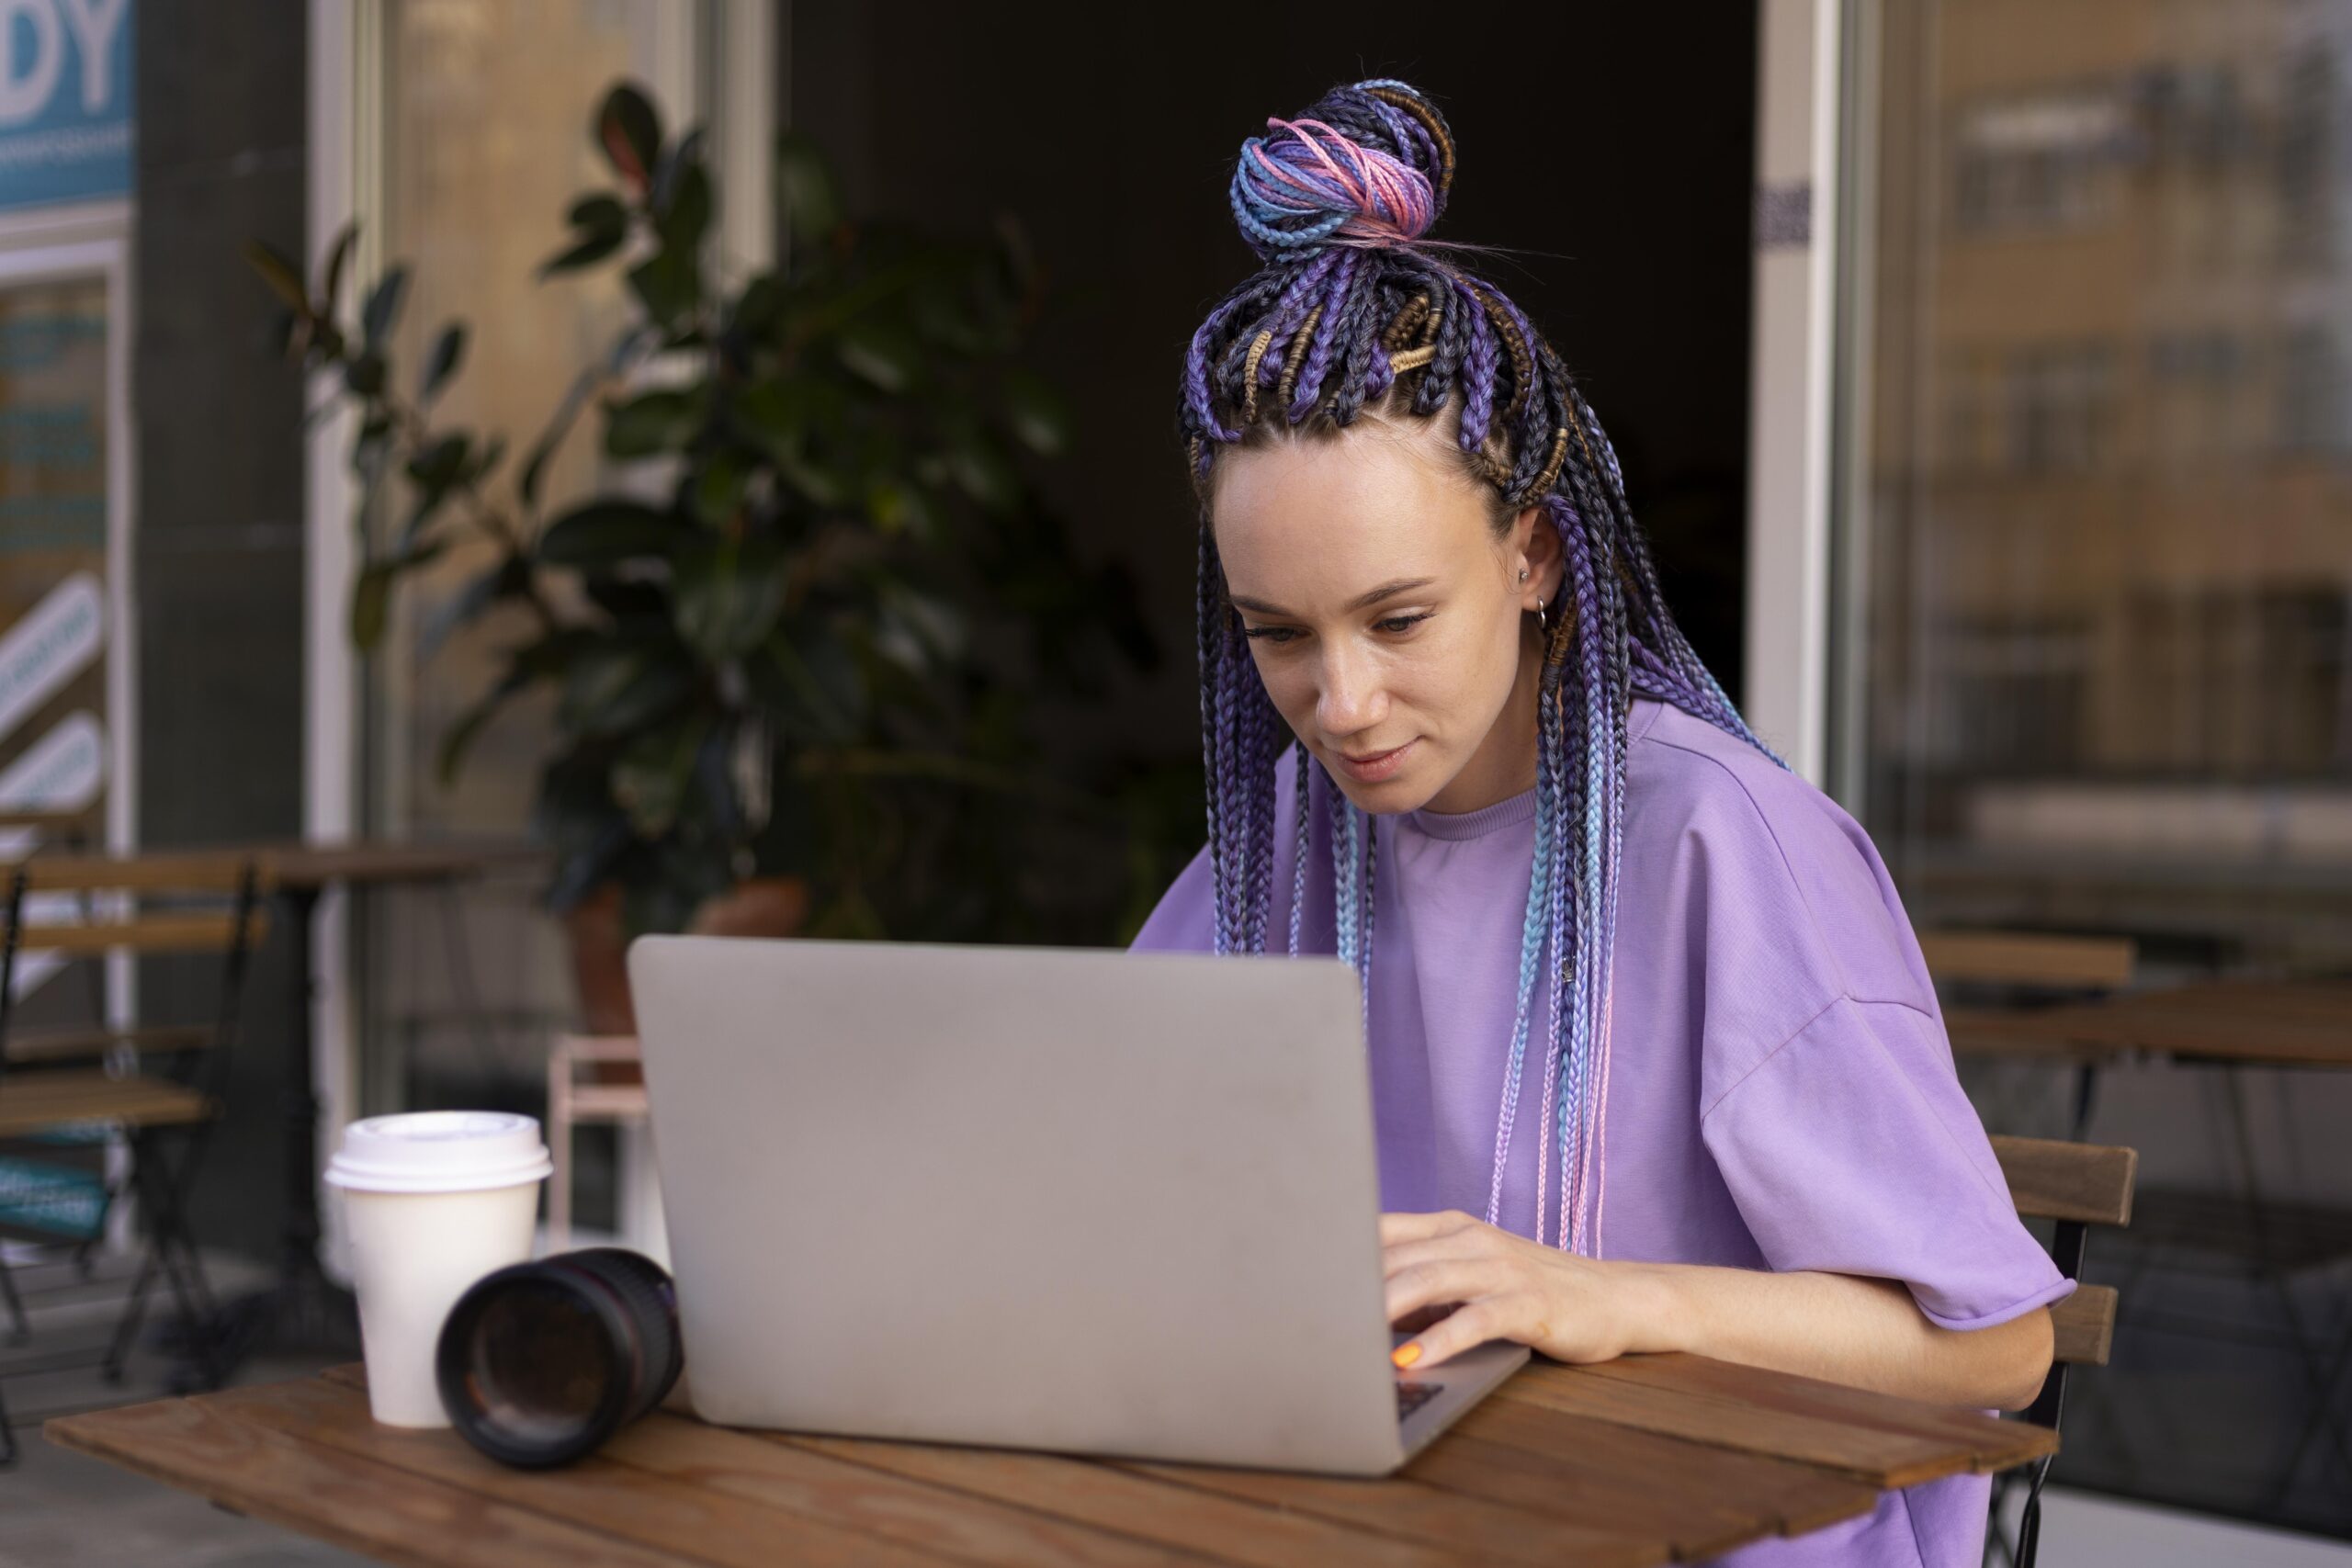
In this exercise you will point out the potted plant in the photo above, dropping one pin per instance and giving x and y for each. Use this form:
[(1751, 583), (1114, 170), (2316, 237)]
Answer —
[(795, 658)]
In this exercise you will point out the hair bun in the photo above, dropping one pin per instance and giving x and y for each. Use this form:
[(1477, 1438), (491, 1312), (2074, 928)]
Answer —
[(1368, 164)]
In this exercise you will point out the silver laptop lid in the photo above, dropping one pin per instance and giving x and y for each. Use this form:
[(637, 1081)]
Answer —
[(1080, 1200)]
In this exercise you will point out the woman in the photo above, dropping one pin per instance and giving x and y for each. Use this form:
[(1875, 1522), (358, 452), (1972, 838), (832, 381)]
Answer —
[(1675, 1080)]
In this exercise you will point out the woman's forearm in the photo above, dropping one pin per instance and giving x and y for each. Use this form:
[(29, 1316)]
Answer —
[(1863, 1333)]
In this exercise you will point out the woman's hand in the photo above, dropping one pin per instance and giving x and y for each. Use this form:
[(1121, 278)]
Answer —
[(1505, 1287), (1864, 1333)]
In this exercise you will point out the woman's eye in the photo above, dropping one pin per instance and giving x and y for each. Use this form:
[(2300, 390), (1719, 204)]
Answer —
[(1268, 634), (1402, 623)]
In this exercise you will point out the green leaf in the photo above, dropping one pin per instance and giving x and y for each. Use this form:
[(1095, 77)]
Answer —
[(667, 283), (885, 352), (1035, 412), (687, 219), (599, 214), (586, 251), (366, 375), (383, 306), (440, 364), (370, 605), (651, 779), (982, 472), (601, 533), (897, 506), (728, 594), (614, 690), (330, 286), (628, 132), (439, 465), (285, 279), (651, 422), (371, 594), (719, 489), (804, 188)]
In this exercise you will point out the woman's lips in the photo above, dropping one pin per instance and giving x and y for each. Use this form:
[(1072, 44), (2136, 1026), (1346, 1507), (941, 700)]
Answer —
[(1379, 765)]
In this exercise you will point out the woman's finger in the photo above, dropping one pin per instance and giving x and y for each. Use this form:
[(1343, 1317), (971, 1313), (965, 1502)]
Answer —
[(1472, 1323), (1440, 1283), (1395, 1228), (1471, 1244)]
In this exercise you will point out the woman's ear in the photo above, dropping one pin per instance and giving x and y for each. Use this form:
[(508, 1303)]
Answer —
[(1535, 549)]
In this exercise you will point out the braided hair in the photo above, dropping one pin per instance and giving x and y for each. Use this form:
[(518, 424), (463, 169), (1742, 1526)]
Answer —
[(1353, 314)]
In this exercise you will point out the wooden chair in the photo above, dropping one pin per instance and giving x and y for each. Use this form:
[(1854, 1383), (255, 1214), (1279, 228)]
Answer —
[(573, 1099), (84, 911), (2025, 968), (2076, 1186)]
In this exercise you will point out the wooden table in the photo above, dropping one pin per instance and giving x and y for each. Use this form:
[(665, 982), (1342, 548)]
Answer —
[(2242, 1024), (1643, 1460)]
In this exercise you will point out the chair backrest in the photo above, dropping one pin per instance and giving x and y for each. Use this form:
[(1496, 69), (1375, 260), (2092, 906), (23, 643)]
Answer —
[(85, 908), (2029, 960), (2077, 1185)]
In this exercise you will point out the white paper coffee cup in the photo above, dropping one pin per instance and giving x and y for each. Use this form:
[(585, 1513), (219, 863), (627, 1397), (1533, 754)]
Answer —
[(433, 1200)]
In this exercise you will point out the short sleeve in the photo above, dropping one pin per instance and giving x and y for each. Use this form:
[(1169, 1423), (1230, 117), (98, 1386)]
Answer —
[(1852, 1149), (1184, 921)]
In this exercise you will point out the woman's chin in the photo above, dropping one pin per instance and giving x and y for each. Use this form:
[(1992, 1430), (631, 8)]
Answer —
[(1391, 797)]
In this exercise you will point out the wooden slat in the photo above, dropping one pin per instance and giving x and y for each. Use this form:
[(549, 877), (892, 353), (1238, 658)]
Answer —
[(2053, 1180), (617, 1102), (2034, 1034), (1176, 1517), (2083, 1325), (841, 1495), (651, 1511), (1988, 1443), (1492, 1531), (2028, 958), (141, 933), (2192, 1023), (1881, 1459), (1700, 1501), (347, 1501), (196, 871), (63, 1044), (32, 1102)]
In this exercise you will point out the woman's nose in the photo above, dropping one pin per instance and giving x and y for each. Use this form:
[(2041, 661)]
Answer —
[(1352, 699)]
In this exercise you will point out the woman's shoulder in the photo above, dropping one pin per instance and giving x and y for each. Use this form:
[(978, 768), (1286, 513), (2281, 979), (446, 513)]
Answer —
[(1770, 842), (1685, 774)]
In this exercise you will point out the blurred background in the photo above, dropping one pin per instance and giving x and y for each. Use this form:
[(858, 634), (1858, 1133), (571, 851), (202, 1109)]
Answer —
[(1978, 365)]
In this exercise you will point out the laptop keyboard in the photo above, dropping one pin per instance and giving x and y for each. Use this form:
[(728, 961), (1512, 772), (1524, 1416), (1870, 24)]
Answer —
[(1412, 1396)]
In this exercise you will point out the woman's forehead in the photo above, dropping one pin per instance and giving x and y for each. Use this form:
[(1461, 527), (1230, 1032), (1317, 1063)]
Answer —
[(1337, 516)]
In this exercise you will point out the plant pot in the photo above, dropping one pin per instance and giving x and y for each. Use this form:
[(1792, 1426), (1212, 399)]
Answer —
[(761, 905)]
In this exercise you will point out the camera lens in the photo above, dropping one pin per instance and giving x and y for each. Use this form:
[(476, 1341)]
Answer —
[(540, 1362)]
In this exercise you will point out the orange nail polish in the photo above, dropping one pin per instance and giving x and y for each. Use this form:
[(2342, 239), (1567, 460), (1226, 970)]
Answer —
[(1404, 1355)]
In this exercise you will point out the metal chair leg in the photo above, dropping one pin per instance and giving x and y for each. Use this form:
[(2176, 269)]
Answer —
[(2030, 1522), (20, 1330)]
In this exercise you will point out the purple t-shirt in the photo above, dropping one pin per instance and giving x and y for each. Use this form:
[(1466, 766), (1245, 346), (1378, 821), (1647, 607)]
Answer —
[(1780, 1092)]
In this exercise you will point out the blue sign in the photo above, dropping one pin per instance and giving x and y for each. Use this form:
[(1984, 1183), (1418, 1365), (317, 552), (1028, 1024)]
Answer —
[(65, 111)]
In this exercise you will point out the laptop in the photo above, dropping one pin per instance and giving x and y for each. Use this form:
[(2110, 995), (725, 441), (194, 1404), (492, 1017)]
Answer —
[(1091, 1201)]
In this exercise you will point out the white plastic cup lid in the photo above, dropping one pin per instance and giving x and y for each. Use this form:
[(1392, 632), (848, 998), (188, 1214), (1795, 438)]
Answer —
[(440, 1151)]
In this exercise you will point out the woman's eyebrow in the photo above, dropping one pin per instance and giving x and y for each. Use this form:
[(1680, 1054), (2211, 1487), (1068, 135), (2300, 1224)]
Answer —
[(1361, 601)]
